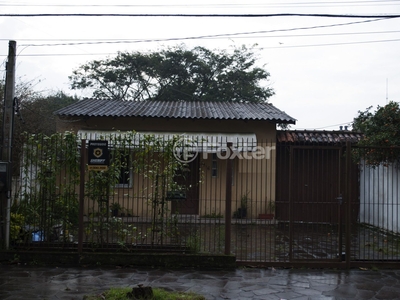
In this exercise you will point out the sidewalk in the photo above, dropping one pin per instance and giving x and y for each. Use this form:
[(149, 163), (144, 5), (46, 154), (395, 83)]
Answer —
[(27, 282)]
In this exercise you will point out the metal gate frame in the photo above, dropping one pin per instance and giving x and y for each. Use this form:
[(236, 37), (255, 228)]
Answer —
[(315, 157), (350, 236)]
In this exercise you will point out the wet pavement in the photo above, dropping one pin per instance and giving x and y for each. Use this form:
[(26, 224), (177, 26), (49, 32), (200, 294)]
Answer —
[(30, 282)]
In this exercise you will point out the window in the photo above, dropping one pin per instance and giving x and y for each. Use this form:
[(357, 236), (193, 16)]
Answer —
[(125, 175), (214, 165)]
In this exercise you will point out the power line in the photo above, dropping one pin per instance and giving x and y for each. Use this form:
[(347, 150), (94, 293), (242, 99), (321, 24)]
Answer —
[(334, 44), (346, 123), (243, 33), (320, 34), (192, 5), (218, 36), (146, 41), (225, 35), (277, 47), (64, 54), (383, 16)]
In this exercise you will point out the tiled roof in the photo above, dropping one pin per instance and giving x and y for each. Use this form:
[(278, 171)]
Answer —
[(317, 136), (176, 109)]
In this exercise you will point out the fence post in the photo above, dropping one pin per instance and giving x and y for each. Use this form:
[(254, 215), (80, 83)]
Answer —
[(291, 210), (6, 146), (348, 203), (81, 195), (228, 200)]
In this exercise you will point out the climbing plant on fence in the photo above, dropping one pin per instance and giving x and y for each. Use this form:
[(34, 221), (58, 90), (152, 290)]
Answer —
[(156, 161), (50, 174), (99, 188)]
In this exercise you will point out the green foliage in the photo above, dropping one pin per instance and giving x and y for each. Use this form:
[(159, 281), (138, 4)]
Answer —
[(34, 113), (241, 212), (194, 242), (213, 215), (115, 206), (271, 206), (153, 158), (37, 113), (16, 224), (244, 201), (123, 231), (381, 134), (120, 293), (177, 74), (158, 165), (50, 172), (100, 187)]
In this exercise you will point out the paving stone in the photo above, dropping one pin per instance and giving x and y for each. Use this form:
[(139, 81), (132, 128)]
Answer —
[(265, 291), (288, 295), (27, 282), (343, 291), (388, 293)]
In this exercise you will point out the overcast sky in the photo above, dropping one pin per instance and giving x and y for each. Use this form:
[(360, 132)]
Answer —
[(323, 70)]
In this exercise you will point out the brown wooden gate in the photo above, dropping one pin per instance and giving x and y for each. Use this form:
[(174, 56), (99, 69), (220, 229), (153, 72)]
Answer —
[(309, 188), (315, 184)]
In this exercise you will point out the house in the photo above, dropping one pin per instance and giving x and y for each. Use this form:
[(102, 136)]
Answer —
[(251, 127)]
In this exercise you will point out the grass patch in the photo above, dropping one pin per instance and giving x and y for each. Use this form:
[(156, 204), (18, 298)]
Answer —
[(158, 294)]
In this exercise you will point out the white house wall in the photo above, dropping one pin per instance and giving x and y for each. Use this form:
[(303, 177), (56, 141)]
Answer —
[(28, 182), (380, 196)]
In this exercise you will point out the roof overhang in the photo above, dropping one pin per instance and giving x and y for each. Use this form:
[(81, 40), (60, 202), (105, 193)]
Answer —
[(197, 141)]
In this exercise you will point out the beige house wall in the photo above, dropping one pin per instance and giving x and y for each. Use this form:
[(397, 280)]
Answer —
[(252, 177)]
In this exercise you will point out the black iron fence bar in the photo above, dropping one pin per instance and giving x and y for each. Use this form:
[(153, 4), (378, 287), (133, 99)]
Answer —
[(228, 201), (291, 204), (348, 203), (339, 198), (83, 152)]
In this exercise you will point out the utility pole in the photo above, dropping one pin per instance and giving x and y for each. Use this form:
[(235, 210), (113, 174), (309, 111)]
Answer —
[(6, 149)]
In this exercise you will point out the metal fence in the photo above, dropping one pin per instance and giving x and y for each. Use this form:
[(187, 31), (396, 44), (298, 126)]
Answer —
[(265, 203), (337, 205)]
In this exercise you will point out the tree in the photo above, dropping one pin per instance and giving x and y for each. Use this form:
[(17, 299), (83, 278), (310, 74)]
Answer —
[(176, 74), (381, 134), (23, 90), (36, 117), (34, 113), (37, 113)]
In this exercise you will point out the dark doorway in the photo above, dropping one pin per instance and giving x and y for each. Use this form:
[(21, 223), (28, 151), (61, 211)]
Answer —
[(188, 178)]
